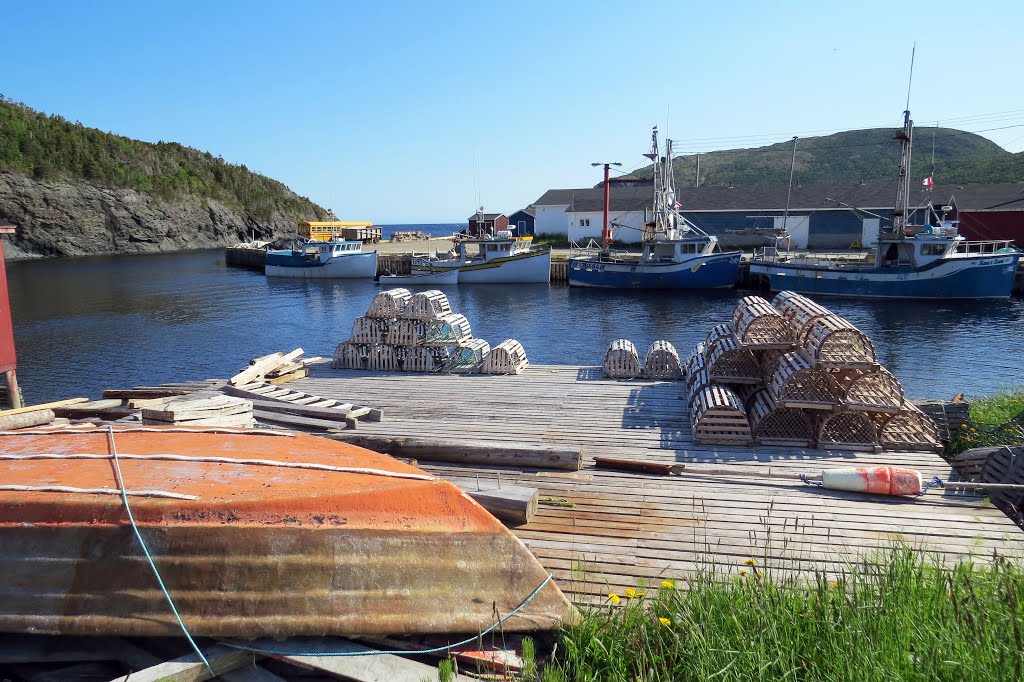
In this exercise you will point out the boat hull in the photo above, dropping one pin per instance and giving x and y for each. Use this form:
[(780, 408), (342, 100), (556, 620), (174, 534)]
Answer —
[(263, 551), (716, 271), (436, 278), (522, 268), (990, 276), (352, 266)]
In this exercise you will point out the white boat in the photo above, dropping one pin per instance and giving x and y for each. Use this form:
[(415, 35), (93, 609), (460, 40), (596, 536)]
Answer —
[(437, 277), (334, 258), (493, 259)]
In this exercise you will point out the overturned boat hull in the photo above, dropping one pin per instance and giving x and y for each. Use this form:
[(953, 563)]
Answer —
[(262, 550)]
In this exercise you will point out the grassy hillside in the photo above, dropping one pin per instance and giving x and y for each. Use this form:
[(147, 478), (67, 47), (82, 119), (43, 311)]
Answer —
[(51, 148), (855, 155)]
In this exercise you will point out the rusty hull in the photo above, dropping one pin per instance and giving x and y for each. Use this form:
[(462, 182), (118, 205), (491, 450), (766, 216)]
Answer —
[(262, 552)]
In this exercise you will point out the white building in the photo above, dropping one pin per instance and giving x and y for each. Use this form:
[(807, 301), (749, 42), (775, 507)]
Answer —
[(578, 214)]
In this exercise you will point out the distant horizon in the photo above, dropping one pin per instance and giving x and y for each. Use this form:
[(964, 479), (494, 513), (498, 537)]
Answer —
[(400, 113)]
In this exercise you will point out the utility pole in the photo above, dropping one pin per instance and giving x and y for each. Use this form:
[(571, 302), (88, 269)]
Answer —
[(789, 192), (606, 232), (696, 177)]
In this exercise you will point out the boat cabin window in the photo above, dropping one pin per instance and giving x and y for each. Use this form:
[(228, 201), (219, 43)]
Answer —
[(689, 248), (933, 249)]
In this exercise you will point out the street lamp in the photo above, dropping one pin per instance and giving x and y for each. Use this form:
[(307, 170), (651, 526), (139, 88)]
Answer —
[(606, 232)]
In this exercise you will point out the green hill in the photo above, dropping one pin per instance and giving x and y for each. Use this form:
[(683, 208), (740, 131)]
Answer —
[(854, 155), (50, 148)]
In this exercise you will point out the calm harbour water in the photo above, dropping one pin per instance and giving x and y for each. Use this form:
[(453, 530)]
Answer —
[(83, 325)]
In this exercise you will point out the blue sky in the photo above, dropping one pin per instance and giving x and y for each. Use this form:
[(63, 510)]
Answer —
[(412, 112)]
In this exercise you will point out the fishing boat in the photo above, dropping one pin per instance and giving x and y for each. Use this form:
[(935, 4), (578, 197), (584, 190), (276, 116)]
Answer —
[(432, 278), (492, 258), (331, 258), (676, 253), (927, 261), (254, 534)]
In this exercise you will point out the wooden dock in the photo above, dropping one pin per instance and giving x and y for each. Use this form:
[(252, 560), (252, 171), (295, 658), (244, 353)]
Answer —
[(602, 531)]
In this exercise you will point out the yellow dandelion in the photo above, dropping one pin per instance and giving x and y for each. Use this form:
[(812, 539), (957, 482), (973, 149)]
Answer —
[(743, 572), (668, 584), (630, 593), (834, 584), (614, 598), (665, 621), (758, 574), (751, 562)]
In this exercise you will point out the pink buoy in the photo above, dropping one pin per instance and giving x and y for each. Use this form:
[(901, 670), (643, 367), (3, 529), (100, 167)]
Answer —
[(877, 480)]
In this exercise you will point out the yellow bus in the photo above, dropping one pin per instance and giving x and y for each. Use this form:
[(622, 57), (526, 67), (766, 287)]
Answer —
[(353, 231)]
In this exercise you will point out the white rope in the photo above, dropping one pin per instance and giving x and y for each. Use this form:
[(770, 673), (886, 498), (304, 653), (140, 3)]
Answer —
[(137, 429), (219, 460), (95, 491)]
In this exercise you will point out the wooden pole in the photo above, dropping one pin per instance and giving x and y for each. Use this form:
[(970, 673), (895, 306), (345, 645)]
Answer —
[(13, 392)]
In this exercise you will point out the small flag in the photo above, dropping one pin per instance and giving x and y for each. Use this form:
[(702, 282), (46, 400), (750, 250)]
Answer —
[(928, 182), (676, 204)]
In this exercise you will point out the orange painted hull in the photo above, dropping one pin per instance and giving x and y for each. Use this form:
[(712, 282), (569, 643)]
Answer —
[(262, 552)]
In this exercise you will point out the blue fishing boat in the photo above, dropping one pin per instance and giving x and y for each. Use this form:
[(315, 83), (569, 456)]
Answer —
[(928, 261), (333, 258), (676, 253)]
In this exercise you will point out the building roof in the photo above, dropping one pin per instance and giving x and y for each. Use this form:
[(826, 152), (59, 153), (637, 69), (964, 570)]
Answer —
[(530, 211), (485, 216), (838, 195)]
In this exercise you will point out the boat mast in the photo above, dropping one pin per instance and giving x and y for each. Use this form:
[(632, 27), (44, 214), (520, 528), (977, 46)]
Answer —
[(906, 138)]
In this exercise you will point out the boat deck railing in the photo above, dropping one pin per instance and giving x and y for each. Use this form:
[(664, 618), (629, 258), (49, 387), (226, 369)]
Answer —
[(984, 246)]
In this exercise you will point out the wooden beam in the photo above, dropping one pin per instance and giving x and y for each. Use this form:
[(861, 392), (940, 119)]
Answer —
[(261, 401), (469, 451), (108, 413), (263, 366), (43, 406), (144, 393), (24, 420), (636, 465), (190, 669), (296, 420), (514, 505)]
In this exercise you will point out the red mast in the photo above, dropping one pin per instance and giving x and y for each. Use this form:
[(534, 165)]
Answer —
[(606, 232)]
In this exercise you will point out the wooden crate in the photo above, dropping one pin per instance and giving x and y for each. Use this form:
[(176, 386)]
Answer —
[(871, 391), (427, 305), (468, 358), (662, 362), (728, 363), (448, 330), (848, 430), (407, 333), (949, 416), (508, 357), (389, 304), (774, 425), (717, 417), (799, 312), (621, 360), (350, 356), (382, 358), (835, 343), (796, 383), (910, 429), (368, 330), (758, 325)]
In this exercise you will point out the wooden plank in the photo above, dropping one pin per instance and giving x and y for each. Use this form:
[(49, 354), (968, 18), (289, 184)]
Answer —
[(514, 505), (96, 404), (190, 669), (43, 406), (469, 451), (288, 378), (109, 413), (296, 420), (141, 393), (634, 465), (260, 368)]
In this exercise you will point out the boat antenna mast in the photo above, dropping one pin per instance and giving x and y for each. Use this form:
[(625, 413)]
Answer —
[(668, 222), (906, 138)]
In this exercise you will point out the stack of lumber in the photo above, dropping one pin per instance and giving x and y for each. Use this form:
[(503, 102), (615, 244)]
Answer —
[(276, 368), (421, 333), (201, 409), (804, 376), (270, 403), (622, 361)]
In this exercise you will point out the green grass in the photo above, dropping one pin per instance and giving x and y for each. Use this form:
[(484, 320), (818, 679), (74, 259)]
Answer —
[(897, 617), (995, 420)]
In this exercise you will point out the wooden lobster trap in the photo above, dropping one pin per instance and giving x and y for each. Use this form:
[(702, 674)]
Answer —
[(468, 358), (369, 330), (662, 362), (798, 384), (728, 363), (768, 361), (799, 312), (404, 332), (696, 361), (508, 357), (774, 425), (758, 325), (427, 358), (872, 391), (427, 305), (447, 330), (835, 343), (621, 360), (382, 359), (848, 430), (910, 429), (695, 383), (389, 304), (717, 417), (349, 356)]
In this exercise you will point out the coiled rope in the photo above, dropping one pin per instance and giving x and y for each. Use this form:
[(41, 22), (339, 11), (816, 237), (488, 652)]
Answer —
[(145, 550)]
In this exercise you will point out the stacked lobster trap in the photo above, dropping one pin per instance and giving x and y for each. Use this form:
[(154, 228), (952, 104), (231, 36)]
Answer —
[(792, 372), (420, 333), (622, 361)]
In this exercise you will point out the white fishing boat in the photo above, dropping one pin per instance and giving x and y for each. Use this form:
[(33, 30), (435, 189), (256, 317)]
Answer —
[(497, 258), (434, 278), (334, 258)]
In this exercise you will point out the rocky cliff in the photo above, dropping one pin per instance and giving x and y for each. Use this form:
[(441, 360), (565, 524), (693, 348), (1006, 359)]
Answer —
[(74, 218)]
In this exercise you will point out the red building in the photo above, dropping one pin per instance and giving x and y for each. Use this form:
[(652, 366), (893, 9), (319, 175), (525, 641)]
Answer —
[(482, 223), (990, 211)]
